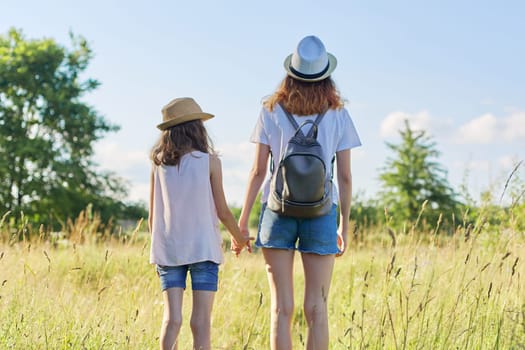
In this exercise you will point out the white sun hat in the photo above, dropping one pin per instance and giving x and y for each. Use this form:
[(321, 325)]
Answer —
[(310, 61)]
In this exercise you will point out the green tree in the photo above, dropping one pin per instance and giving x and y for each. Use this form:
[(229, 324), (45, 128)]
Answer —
[(414, 184), (47, 132)]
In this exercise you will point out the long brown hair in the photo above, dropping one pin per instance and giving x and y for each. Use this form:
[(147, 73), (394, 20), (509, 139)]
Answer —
[(179, 140), (305, 98)]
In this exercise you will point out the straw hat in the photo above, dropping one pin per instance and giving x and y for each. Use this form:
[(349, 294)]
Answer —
[(310, 61), (181, 110)]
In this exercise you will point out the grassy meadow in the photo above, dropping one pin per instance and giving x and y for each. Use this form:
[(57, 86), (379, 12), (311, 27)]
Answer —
[(411, 291)]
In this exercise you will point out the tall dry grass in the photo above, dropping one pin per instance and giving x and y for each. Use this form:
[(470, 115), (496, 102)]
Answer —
[(410, 291)]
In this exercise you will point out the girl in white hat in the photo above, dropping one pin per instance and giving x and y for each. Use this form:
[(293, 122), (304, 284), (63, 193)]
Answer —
[(186, 203), (306, 91)]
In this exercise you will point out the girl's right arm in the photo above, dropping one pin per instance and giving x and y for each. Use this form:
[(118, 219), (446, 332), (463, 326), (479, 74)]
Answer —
[(223, 211), (257, 175), (150, 214)]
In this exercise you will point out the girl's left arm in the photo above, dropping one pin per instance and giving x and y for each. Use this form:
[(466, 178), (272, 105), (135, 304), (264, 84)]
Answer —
[(223, 211)]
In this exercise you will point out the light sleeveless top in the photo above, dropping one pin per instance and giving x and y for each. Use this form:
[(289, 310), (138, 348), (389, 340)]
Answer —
[(185, 227)]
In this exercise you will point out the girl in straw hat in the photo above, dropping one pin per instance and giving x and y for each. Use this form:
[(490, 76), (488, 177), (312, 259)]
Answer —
[(186, 203), (306, 92)]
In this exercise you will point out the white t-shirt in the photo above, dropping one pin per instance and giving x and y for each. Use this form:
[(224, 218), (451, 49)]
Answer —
[(336, 132)]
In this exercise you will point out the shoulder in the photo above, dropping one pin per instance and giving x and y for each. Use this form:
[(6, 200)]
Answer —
[(267, 118), (265, 112), (155, 168), (340, 115), (271, 118), (339, 112), (215, 162), (214, 158)]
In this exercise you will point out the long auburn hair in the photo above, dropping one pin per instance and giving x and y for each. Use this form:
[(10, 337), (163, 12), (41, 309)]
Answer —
[(180, 139), (305, 98)]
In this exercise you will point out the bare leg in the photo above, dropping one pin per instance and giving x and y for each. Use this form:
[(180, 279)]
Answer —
[(200, 322), (279, 268), (317, 275), (172, 319)]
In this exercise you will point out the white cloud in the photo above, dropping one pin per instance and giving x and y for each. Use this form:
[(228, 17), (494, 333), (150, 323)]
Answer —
[(139, 192), (395, 121), (112, 156), (485, 129), (130, 164), (479, 130), (238, 154), (488, 129), (514, 127)]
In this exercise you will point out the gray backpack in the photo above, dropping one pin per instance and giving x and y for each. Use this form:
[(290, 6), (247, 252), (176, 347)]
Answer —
[(300, 186)]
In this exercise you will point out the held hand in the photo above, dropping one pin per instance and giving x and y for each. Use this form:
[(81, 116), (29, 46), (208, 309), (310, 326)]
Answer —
[(342, 236), (246, 233), (238, 245)]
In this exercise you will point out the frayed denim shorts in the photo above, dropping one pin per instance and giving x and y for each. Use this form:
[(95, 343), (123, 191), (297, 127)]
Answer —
[(316, 235), (204, 276)]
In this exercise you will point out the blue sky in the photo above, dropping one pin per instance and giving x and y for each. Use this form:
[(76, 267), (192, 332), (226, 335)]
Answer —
[(453, 68)]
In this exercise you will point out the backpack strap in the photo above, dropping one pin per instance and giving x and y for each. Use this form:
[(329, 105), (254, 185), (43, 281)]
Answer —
[(290, 117), (313, 130)]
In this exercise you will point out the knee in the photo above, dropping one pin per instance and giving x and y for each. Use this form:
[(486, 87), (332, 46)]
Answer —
[(315, 312), (172, 323), (199, 324), (283, 310)]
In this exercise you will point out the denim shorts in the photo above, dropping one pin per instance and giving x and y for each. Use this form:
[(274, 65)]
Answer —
[(204, 276), (316, 235)]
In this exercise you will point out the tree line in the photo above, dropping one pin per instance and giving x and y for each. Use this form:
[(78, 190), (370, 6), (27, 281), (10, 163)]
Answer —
[(47, 133)]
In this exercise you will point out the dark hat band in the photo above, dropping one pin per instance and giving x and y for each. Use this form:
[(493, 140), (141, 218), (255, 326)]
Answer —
[(309, 76)]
